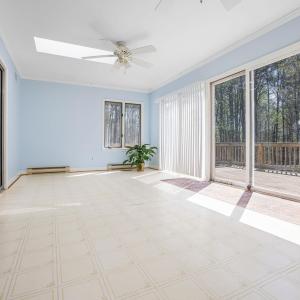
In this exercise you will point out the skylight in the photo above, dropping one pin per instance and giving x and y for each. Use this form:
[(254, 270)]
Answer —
[(71, 50)]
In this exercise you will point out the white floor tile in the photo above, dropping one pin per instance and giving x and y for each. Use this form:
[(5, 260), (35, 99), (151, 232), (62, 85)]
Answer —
[(44, 296), (187, 290), (37, 259), (115, 259), (73, 250), (127, 235), (90, 290), (6, 264), (220, 282), (127, 280), (163, 268), (283, 289), (34, 280), (39, 244), (77, 268)]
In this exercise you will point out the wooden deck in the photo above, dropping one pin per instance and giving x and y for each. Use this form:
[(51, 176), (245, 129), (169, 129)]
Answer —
[(278, 182)]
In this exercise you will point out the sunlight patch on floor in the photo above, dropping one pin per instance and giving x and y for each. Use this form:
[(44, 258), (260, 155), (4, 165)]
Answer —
[(19, 211), (218, 206), (279, 228)]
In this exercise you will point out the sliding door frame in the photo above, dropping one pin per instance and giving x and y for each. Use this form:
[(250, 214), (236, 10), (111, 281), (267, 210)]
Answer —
[(248, 70), (213, 128), (3, 157)]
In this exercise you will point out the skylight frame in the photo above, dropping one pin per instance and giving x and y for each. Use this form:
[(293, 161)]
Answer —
[(70, 50)]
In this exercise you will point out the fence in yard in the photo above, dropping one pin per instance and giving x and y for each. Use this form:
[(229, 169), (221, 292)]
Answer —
[(272, 156)]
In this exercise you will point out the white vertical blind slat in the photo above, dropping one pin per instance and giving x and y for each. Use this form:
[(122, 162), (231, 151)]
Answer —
[(181, 130)]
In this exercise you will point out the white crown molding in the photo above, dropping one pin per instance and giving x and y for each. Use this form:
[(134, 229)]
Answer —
[(107, 87), (2, 37), (268, 28)]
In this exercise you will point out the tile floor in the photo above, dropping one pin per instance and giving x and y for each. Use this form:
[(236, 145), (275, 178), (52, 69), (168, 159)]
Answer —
[(128, 235)]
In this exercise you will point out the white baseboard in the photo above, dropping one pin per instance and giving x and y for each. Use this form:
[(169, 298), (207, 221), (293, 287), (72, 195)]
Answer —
[(154, 167), (13, 179), (91, 169)]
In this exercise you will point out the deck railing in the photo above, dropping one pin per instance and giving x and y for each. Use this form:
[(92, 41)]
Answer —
[(273, 156)]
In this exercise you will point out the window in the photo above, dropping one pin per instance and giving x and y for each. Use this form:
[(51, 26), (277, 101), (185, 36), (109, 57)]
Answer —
[(122, 124), (132, 124)]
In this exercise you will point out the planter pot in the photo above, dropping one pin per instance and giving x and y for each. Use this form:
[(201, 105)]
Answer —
[(140, 167)]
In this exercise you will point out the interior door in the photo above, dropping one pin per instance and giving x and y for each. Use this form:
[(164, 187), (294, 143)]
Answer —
[(229, 129)]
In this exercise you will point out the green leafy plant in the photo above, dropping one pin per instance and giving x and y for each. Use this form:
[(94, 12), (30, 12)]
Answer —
[(138, 154)]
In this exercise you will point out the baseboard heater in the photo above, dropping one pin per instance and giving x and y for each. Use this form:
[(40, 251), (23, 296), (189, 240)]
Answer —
[(40, 170), (111, 167)]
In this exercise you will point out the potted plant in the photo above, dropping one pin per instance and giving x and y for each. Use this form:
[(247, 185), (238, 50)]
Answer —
[(138, 154)]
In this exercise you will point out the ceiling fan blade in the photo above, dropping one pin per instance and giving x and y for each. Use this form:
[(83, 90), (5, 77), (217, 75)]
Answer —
[(230, 4), (97, 56), (145, 49), (112, 45), (158, 4), (117, 65), (141, 62)]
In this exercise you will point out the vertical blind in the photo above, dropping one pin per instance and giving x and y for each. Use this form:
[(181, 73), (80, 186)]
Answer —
[(181, 130)]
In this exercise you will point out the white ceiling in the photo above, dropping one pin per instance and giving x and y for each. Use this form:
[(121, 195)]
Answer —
[(185, 33)]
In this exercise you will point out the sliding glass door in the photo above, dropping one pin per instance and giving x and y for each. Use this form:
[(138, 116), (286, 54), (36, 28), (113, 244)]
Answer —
[(229, 108), (277, 126), (256, 128)]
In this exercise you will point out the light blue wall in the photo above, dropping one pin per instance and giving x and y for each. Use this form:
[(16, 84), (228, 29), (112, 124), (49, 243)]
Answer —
[(61, 124), (276, 39), (13, 101)]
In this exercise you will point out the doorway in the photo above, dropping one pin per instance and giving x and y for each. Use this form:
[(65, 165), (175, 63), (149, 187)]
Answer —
[(256, 127), (1, 126)]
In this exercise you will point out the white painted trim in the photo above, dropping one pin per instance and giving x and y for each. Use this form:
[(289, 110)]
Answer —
[(212, 153), (268, 28), (154, 167), (248, 134), (252, 129), (273, 193), (5, 178), (123, 121), (213, 131), (107, 87), (178, 91), (260, 62), (12, 180), (229, 182)]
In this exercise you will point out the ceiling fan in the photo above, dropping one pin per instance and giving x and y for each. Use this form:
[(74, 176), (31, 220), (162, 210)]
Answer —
[(228, 4), (125, 56)]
